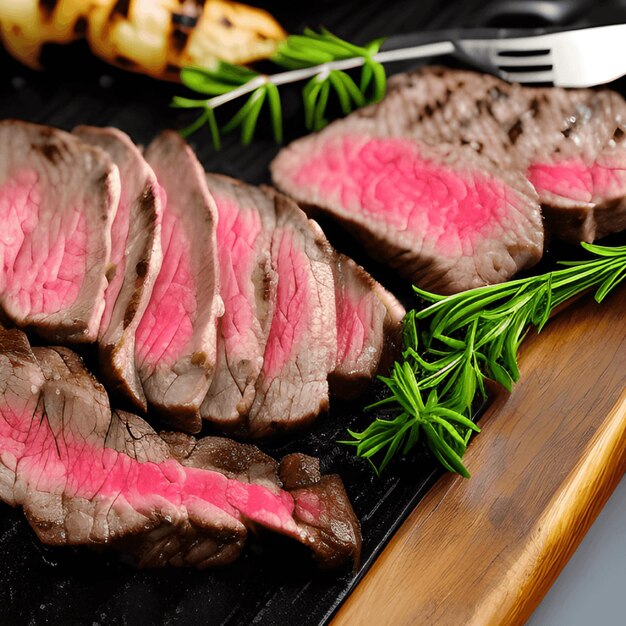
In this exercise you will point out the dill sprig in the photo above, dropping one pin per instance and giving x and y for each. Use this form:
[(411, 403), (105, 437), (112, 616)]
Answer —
[(320, 58), (456, 343)]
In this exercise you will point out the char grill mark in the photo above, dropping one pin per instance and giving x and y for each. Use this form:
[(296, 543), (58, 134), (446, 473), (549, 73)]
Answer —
[(121, 8), (560, 139), (47, 7)]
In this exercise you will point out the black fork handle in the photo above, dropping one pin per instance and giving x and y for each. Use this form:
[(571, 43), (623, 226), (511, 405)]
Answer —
[(538, 12)]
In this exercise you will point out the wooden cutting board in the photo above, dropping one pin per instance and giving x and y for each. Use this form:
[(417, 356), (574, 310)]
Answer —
[(486, 550)]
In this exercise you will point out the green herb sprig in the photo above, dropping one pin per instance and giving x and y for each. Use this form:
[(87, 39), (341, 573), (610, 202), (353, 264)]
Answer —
[(457, 342), (320, 58)]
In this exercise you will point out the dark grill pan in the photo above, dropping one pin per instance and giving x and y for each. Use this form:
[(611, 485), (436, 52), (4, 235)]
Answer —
[(273, 583)]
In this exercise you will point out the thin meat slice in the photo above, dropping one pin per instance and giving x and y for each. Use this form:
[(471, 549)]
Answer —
[(246, 220), (85, 476), (58, 199), (176, 338), (135, 261), (578, 167), (569, 142), (369, 328), (444, 217), (301, 348)]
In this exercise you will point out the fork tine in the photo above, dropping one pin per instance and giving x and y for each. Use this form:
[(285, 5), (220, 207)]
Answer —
[(523, 61), (528, 77)]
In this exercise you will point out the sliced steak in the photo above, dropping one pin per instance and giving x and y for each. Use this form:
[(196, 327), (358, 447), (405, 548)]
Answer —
[(301, 348), (58, 198), (246, 220), (135, 261), (444, 217), (85, 476), (176, 338), (369, 328), (570, 143)]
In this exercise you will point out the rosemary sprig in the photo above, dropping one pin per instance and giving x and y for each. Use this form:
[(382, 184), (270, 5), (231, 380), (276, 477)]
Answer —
[(453, 345), (322, 59)]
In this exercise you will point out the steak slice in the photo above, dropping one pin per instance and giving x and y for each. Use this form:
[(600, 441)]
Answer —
[(86, 476), (176, 338), (574, 153), (135, 261), (444, 217), (369, 328), (248, 285), (570, 143), (301, 348), (58, 198)]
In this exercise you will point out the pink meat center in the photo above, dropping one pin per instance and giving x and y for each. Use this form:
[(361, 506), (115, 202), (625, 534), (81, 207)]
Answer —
[(57, 463), (353, 312), (293, 304), (573, 179), (167, 324), (42, 253), (386, 180), (119, 238), (237, 232)]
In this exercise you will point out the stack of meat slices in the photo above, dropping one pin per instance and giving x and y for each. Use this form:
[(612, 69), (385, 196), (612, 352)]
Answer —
[(208, 298), (449, 175), (89, 475)]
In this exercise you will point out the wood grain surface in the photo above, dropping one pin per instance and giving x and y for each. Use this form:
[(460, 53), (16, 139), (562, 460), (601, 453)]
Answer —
[(486, 550)]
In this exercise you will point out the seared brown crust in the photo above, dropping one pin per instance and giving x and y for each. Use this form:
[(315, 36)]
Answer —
[(233, 386), (350, 379), (142, 256), (492, 259), (85, 175)]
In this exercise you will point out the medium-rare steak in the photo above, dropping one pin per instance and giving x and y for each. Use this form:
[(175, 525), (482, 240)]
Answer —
[(301, 348), (246, 220), (444, 217), (85, 476), (135, 260), (176, 338), (58, 198), (570, 143), (369, 328), (264, 265)]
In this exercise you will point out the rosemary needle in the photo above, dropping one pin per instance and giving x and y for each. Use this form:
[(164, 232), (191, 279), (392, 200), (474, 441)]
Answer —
[(319, 58), (455, 343)]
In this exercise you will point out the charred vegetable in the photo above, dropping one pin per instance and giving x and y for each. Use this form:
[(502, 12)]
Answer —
[(155, 37)]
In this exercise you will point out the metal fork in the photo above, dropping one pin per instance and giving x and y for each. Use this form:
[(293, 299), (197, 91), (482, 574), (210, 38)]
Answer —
[(568, 58), (573, 58)]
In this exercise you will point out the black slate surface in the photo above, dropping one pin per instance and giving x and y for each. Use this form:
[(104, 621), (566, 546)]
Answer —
[(274, 582)]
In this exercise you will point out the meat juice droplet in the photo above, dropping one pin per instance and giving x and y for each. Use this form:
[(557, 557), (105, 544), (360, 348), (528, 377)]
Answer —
[(33, 389)]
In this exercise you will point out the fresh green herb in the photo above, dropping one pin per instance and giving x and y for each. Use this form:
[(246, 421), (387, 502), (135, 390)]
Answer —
[(321, 59), (457, 342)]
